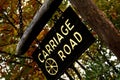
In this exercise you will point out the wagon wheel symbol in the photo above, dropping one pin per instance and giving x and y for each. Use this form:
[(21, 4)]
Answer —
[(51, 66)]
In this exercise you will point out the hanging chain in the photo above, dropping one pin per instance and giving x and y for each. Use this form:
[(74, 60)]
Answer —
[(20, 18), (56, 17)]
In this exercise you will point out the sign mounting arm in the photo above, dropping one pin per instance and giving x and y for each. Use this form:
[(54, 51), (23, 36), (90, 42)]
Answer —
[(39, 21)]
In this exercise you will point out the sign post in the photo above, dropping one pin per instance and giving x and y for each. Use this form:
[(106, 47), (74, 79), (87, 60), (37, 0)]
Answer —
[(40, 19), (64, 44)]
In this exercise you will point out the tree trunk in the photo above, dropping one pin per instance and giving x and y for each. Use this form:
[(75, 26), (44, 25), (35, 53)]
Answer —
[(98, 21)]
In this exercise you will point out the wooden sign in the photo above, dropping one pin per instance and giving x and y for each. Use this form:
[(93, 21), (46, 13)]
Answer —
[(64, 44)]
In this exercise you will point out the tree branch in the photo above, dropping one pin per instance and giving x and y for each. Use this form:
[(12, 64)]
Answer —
[(98, 21), (18, 56), (39, 2), (11, 61), (2, 45), (9, 21)]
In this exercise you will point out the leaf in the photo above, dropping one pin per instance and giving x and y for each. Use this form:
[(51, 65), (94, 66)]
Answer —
[(26, 70), (2, 2)]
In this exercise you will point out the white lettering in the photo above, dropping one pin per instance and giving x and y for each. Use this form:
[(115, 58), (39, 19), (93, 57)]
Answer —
[(78, 36), (53, 45), (65, 32), (73, 43), (60, 37), (61, 55), (41, 60), (55, 40), (45, 54), (67, 24), (48, 48), (67, 49)]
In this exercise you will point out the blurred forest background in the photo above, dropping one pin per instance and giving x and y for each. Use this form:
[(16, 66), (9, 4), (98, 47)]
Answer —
[(97, 63)]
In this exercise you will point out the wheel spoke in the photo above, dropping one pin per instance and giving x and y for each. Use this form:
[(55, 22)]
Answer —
[(51, 66), (48, 63)]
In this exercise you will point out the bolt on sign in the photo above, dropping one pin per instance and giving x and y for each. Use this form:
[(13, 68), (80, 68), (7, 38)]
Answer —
[(64, 44)]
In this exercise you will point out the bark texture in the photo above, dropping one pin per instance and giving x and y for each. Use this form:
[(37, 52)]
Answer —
[(40, 19), (98, 21)]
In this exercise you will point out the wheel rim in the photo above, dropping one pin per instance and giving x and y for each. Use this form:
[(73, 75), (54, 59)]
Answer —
[(51, 66)]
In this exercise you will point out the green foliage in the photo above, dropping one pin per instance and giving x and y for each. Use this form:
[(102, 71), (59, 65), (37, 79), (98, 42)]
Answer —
[(111, 9), (14, 67), (98, 62)]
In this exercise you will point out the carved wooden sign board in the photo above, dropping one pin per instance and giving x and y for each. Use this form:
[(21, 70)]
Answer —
[(64, 44)]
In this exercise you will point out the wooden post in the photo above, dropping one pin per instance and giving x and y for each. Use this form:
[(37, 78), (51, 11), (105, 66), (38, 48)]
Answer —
[(39, 21), (98, 21)]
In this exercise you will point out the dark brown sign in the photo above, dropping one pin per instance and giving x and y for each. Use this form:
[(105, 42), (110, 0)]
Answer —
[(64, 44)]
